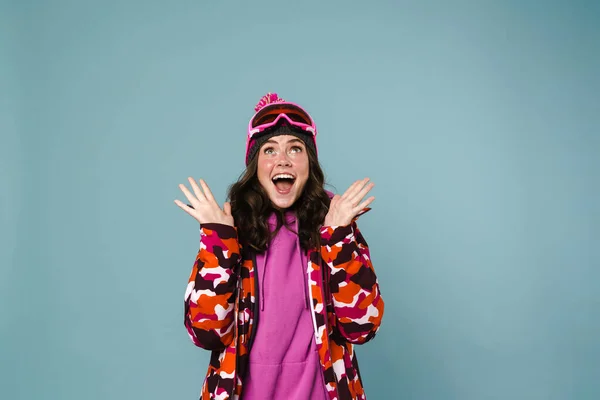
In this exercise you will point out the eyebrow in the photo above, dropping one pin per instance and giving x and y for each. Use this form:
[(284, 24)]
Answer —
[(294, 140)]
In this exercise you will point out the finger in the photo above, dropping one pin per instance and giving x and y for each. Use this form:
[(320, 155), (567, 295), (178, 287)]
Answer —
[(334, 201), (355, 188), (227, 208), (197, 190), (350, 189), (191, 198), (185, 208), (365, 204), (363, 192), (207, 192)]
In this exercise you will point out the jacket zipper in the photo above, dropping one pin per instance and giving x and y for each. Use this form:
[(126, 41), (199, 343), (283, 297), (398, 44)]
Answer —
[(255, 305), (312, 313), (237, 330), (254, 314), (326, 319)]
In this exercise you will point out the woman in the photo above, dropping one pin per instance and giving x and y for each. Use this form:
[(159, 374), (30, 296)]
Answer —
[(283, 286)]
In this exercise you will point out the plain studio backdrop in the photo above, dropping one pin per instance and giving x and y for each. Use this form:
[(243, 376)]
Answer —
[(478, 122)]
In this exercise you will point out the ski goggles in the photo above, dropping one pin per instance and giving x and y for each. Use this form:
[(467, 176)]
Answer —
[(274, 113)]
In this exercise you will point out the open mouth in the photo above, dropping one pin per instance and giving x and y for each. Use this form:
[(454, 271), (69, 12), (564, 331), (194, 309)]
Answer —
[(283, 183)]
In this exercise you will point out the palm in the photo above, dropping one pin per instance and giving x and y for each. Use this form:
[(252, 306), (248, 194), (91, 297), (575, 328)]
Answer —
[(204, 207), (344, 208)]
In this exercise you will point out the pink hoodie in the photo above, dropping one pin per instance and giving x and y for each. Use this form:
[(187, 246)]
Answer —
[(283, 361)]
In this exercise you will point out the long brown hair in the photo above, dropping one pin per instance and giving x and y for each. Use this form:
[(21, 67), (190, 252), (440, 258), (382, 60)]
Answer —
[(251, 207)]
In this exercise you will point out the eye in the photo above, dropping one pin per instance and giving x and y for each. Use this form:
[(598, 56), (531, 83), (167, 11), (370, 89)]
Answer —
[(268, 150), (296, 149)]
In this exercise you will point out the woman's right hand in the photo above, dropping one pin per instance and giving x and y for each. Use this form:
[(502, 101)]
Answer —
[(205, 209)]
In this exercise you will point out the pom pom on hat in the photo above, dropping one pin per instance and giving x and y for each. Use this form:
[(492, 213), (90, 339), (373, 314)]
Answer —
[(268, 98)]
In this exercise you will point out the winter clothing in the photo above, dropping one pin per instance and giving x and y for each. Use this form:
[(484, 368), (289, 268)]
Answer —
[(222, 308), (284, 363), (283, 324), (271, 112)]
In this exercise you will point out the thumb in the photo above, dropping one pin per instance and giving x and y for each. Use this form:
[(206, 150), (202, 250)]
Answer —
[(227, 208)]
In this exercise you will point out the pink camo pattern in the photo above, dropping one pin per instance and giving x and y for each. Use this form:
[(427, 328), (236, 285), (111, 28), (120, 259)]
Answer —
[(352, 311)]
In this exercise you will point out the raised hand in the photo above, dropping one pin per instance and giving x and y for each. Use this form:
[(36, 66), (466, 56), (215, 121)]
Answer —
[(344, 208), (204, 207)]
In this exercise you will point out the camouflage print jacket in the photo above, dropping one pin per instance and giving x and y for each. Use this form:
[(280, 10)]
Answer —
[(222, 296)]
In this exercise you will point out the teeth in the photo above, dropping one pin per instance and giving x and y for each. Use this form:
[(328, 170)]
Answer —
[(283, 176)]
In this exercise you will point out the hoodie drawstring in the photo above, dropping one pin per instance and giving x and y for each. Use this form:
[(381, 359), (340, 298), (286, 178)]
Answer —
[(261, 289), (304, 283), (302, 266)]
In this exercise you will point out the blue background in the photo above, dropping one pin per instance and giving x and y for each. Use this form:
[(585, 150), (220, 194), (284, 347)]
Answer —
[(478, 121)]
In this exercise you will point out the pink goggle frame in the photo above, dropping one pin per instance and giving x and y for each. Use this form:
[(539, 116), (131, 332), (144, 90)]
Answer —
[(273, 113)]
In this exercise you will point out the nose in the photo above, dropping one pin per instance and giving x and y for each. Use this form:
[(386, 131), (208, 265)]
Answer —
[(283, 160)]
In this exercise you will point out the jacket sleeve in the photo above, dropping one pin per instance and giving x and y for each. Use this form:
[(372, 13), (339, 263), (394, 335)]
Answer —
[(357, 302), (211, 290)]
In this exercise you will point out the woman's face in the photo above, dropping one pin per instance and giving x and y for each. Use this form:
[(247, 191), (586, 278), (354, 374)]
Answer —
[(283, 169)]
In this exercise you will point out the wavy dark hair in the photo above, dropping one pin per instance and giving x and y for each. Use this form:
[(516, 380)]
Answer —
[(251, 207)]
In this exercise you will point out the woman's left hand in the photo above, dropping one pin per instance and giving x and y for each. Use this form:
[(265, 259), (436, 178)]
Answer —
[(344, 208)]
